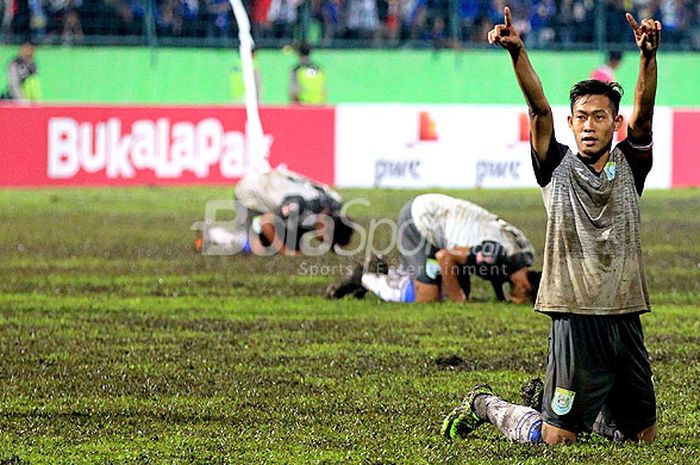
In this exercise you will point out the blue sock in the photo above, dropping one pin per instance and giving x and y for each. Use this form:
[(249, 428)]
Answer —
[(408, 293)]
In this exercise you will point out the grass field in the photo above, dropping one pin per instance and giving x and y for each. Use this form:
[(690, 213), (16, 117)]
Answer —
[(119, 345)]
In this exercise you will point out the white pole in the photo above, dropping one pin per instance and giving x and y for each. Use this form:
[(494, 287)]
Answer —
[(255, 138)]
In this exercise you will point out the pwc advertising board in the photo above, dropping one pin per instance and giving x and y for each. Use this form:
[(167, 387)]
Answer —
[(353, 145)]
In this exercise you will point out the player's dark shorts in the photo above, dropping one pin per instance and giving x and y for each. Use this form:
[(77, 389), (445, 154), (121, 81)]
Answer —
[(598, 364), (417, 254), (245, 217)]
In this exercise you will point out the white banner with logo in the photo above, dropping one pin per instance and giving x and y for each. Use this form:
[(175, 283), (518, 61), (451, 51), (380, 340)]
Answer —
[(457, 146)]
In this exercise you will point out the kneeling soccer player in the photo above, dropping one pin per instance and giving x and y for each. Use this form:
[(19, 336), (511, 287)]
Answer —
[(274, 209), (442, 241), (593, 286)]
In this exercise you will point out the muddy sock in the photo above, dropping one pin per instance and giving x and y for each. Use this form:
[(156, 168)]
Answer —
[(391, 287), (516, 422)]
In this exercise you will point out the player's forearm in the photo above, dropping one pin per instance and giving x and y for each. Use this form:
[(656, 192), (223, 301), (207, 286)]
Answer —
[(529, 83), (451, 288), (450, 284), (644, 98)]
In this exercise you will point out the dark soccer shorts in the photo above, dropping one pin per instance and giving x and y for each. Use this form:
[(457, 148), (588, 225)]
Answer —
[(417, 254), (598, 364)]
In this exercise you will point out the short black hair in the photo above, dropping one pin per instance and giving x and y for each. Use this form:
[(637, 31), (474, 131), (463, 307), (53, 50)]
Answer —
[(343, 228), (614, 55), (611, 90), (304, 49)]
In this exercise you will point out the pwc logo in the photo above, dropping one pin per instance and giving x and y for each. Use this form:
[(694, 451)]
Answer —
[(427, 131)]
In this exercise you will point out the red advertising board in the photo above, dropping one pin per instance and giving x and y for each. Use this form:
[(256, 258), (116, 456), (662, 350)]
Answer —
[(686, 148), (120, 145)]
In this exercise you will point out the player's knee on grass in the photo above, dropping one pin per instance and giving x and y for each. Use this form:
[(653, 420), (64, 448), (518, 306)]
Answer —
[(647, 434), (426, 292), (551, 435)]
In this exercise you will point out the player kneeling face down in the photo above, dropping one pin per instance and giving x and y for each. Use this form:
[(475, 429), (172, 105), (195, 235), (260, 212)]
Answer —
[(593, 286), (442, 241), (279, 211)]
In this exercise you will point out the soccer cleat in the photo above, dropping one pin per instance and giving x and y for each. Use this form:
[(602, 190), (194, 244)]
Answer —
[(531, 393), (199, 242), (463, 420), (377, 264), (351, 284)]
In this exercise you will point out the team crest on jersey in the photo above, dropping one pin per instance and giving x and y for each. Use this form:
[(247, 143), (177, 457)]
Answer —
[(432, 268), (563, 401), (610, 170)]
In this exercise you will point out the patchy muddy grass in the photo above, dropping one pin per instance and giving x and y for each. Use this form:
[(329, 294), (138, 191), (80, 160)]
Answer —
[(120, 346)]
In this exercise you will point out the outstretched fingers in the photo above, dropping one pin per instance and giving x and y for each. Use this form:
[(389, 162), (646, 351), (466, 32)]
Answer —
[(507, 17), (632, 22)]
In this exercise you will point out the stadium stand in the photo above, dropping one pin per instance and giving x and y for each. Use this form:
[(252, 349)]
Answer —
[(342, 23)]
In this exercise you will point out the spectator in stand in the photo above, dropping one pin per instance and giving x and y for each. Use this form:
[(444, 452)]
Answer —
[(436, 33), (72, 28), (166, 21), (219, 19), (6, 16), (329, 15), (258, 17), (188, 12), (282, 17), (671, 17), (20, 23), (393, 21), (694, 24), (412, 18), (542, 20), (615, 22), (606, 72), (565, 29), (472, 13), (362, 20)]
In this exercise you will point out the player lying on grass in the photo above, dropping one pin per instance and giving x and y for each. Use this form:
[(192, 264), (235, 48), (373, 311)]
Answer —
[(442, 241), (275, 209), (593, 284)]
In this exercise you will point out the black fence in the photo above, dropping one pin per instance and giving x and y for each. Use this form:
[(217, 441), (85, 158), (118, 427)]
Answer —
[(550, 24)]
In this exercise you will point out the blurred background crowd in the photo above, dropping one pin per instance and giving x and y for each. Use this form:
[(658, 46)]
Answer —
[(345, 23)]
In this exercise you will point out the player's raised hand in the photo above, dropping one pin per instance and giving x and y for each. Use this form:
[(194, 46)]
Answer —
[(647, 34), (505, 34)]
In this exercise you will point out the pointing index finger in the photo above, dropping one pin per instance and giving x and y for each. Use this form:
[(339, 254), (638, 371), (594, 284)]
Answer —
[(632, 21), (508, 19)]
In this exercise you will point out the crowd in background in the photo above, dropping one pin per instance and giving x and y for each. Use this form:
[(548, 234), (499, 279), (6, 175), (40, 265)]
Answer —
[(437, 23)]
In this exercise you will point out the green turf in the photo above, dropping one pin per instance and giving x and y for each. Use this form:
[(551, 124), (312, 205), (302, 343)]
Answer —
[(120, 346)]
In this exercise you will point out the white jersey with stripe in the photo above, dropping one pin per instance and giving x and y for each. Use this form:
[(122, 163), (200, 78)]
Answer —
[(264, 192), (448, 222)]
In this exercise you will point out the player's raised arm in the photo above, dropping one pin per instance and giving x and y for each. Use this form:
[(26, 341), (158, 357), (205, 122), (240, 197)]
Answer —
[(647, 34), (505, 35)]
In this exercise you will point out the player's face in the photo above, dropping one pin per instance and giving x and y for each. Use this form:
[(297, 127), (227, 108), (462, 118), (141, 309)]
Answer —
[(594, 122)]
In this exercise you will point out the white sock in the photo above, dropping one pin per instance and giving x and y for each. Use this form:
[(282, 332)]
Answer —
[(517, 422), (391, 287), (221, 241)]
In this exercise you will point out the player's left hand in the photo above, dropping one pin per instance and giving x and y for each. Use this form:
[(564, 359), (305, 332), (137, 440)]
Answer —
[(647, 34)]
